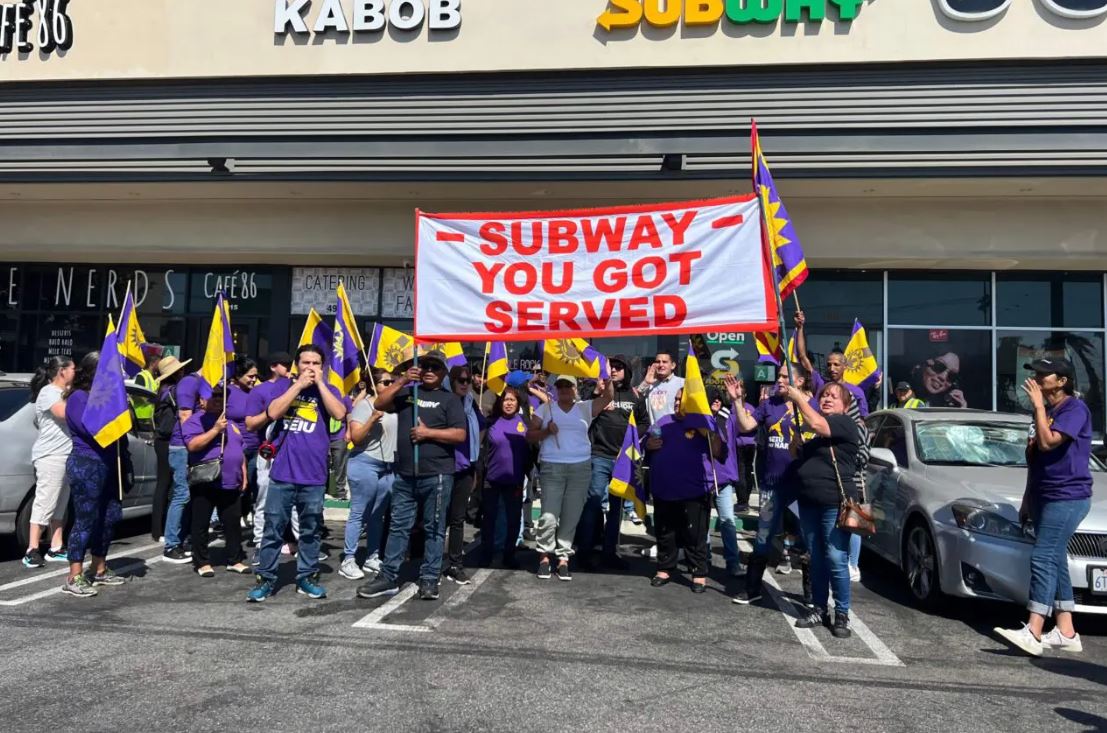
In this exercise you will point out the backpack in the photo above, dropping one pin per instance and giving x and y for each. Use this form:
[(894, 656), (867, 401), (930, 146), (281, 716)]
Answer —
[(165, 414)]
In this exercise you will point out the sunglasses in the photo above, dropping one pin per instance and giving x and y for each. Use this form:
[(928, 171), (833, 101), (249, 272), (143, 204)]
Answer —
[(386, 382), (463, 380), (939, 367)]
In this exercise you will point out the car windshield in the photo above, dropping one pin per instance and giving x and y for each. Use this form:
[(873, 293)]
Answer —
[(12, 398), (949, 443)]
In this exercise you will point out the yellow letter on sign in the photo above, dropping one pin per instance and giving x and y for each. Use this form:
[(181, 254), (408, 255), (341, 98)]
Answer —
[(702, 12), (662, 18), (630, 16)]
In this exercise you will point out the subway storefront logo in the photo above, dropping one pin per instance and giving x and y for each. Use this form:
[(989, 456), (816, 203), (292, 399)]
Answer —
[(664, 13)]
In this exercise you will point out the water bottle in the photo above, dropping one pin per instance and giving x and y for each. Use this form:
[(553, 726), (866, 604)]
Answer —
[(655, 431)]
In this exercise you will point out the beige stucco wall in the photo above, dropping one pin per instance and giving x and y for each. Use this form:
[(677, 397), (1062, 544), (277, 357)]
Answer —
[(978, 224), (194, 38)]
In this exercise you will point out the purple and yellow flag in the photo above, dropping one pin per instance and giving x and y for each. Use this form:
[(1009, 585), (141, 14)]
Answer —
[(694, 403), (220, 349), (345, 371), (495, 374), (108, 413), (452, 350), (316, 331), (624, 474), (131, 338), (862, 369), (574, 357), (389, 348), (789, 264), (770, 348)]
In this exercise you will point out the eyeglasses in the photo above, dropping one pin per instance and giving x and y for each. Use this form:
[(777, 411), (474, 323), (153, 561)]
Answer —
[(386, 382)]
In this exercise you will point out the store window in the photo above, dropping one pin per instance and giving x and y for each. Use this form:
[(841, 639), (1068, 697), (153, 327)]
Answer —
[(945, 367), (943, 299), (1084, 349), (1054, 300)]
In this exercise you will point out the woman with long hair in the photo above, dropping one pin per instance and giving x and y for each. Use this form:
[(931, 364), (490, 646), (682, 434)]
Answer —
[(507, 461), (466, 455), (94, 484), (49, 454), (370, 471)]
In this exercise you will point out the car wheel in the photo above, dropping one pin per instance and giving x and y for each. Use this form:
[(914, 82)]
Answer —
[(23, 522), (920, 564)]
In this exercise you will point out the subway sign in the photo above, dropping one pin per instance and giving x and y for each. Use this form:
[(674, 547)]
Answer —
[(666, 13)]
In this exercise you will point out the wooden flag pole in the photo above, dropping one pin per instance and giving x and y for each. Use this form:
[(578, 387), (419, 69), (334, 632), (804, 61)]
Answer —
[(483, 373)]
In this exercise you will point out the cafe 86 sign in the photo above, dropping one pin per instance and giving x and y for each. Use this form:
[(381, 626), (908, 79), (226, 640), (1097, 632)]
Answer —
[(31, 24)]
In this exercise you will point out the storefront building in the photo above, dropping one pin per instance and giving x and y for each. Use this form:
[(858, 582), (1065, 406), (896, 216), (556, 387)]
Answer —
[(944, 161)]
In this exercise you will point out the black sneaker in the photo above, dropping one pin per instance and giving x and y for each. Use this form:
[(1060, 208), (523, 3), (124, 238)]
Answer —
[(563, 572), (378, 587), (815, 617), (428, 590), (544, 568), (34, 559), (745, 598), (841, 629), (176, 555), (614, 562), (458, 575)]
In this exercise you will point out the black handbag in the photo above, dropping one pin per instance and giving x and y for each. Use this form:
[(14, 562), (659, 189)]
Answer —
[(205, 472)]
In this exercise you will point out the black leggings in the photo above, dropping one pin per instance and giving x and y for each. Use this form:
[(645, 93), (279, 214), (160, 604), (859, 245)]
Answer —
[(228, 502), (682, 524), (455, 520)]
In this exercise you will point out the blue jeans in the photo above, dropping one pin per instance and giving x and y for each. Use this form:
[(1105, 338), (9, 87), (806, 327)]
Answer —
[(370, 492), (594, 509), (178, 500), (408, 494), (279, 501), (854, 549), (770, 518), (829, 548), (1054, 524), (724, 505)]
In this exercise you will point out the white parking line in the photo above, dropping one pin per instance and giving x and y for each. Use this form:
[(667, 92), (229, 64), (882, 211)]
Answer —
[(882, 655), (51, 591), (435, 620), (375, 619), (65, 571)]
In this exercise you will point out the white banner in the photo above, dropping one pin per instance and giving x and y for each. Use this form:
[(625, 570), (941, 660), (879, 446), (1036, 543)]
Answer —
[(677, 268), (314, 287)]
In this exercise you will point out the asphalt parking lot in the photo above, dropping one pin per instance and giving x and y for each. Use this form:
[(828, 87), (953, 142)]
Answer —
[(170, 651)]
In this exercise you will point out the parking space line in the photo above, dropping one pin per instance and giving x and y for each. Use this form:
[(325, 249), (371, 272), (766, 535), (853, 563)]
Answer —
[(374, 619), (46, 593), (806, 637), (65, 571), (462, 595)]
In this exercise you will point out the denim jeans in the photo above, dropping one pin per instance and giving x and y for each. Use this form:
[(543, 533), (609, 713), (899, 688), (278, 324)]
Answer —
[(594, 509), (724, 505), (279, 502), (829, 548), (178, 499), (1054, 524), (501, 506), (263, 467), (854, 549), (370, 492), (408, 494), (770, 519)]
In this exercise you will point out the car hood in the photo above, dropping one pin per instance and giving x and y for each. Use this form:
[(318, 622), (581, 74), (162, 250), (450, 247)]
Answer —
[(1005, 486)]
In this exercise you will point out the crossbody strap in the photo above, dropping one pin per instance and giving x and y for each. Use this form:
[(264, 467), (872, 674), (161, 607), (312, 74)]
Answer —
[(837, 475)]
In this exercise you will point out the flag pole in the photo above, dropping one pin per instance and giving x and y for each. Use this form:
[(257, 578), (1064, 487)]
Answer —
[(415, 413), (483, 372), (119, 466)]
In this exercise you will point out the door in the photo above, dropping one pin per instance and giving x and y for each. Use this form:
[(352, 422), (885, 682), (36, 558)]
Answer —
[(141, 442), (885, 487)]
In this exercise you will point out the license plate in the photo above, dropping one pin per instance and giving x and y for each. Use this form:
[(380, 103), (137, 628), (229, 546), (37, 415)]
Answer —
[(1097, 580)]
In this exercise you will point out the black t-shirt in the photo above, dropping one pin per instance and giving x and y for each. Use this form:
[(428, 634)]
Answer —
[(609, 429), (815, 472), (438, 409)]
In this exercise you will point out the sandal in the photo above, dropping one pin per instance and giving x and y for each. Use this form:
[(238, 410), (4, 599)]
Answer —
[(239, 568), (205, 571), (659, 580)]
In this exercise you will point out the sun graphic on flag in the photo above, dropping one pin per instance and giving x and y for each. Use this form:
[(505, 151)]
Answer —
[(772, 213), (394, 356), (566, 350), (339, 343), (855, 359)]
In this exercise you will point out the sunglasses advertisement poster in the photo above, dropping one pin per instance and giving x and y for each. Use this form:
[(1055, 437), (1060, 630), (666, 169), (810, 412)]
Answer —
[(950, 369)]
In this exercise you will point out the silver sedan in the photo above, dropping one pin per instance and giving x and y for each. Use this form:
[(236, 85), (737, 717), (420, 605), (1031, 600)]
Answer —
[(946, 486)]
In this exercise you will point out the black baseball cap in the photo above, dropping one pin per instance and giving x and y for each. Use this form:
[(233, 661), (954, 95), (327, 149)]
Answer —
[(1060, 367), (902, 386), (620, 359), (279, 357)]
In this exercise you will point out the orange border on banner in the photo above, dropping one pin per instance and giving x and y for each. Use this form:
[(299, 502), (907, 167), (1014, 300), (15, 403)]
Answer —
[(770, 324)]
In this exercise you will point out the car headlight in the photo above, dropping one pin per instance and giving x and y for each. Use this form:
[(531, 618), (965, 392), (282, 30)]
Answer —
[(980, 519)]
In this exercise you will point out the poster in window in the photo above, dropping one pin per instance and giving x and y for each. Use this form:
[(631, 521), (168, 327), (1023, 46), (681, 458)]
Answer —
[(945, 367)]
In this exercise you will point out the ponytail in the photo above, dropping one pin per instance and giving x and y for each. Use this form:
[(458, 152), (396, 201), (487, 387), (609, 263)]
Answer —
[(46, 373)]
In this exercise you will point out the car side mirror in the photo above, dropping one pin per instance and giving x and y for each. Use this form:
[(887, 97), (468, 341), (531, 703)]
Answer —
[(884, 457)]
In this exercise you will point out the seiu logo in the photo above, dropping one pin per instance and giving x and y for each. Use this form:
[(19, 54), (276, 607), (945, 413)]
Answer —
[(978, 10)]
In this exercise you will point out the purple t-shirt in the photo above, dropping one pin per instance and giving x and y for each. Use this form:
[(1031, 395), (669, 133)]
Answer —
[(83, 442), (259, 398), (188, 398), (303, 453), (857, 392), (682, 468), (726, 471), (238, 410), (778, 421), (1063, 473), (750, 438), (200, 423), (508, 451)]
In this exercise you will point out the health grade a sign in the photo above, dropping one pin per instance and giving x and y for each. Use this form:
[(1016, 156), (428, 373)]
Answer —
[(677, 268), (665, 13)]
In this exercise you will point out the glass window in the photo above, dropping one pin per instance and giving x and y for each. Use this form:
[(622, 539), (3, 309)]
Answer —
[(13, 398), (945, 443), (893, 437), (832, 299), (1057, 300), (142, 412), (249, 292), (942, 299), (946, 368), (1083, 349), (12, 359), (60, 334)]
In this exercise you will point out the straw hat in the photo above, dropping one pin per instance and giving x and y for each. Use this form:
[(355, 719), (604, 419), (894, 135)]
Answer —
[(170, 365)]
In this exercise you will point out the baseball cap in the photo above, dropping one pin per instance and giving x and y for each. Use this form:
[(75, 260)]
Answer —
[(902, 386), (565, 378), (1060, 367), (279, 357), (621, 359)]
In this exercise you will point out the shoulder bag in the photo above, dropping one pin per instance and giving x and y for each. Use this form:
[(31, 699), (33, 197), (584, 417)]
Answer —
[(205, 472), (853, 516)]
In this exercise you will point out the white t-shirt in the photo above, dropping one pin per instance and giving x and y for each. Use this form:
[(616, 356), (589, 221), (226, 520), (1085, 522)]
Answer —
[(571, 444), (661, 398), (53, 435), (381, 441)]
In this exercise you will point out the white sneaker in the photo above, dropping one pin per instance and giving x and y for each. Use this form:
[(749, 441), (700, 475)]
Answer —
[(854, 574), (784, 567), (372, 564), (1056, 640), (1021, 638), (350, 570)]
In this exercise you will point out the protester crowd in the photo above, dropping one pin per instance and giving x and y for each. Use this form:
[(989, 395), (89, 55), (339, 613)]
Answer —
[(428, 448)]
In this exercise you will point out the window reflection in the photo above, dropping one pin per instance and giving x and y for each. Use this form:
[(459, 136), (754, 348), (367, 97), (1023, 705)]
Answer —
[(946, 368), (1057, 300), (947, 299)]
